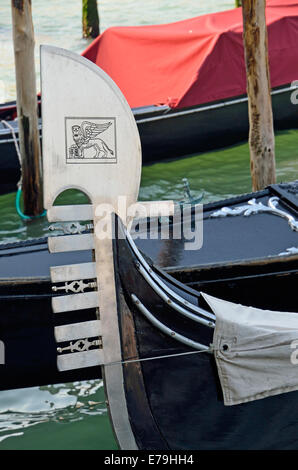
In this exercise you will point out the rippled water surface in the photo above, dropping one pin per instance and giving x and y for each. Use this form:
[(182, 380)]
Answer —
[(58, 23), (64, 416), (220, 174)]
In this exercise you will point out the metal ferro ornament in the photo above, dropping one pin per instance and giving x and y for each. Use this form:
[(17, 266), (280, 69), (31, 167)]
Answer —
[(253, 207)]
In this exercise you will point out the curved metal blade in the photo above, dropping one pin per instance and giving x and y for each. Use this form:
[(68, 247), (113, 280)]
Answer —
[(90, 142), (90, 138)]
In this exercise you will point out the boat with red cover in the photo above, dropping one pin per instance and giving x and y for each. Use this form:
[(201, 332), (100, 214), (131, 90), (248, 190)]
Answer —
[(185, 82)]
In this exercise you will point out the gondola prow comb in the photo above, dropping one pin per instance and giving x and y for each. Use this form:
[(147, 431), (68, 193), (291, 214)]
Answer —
[(90, 143)]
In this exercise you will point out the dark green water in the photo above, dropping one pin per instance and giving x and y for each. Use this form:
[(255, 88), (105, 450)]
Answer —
[(219, 174), (74, 416)]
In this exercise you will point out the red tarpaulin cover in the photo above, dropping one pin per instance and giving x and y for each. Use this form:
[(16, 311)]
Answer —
[(194, 61)]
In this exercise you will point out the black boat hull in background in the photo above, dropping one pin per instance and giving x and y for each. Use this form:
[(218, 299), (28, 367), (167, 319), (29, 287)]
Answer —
[(27, 331), (166, 133)]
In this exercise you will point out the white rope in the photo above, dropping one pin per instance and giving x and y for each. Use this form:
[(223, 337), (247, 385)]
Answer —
[(209, 350), (9, 126)]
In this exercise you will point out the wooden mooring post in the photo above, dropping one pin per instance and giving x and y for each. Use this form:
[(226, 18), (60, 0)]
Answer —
[(90, 19), (261, 133), (23, 38)]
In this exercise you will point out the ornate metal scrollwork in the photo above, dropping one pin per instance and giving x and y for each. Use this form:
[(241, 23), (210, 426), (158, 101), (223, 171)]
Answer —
[(80, 345), (71, 228), (253, 207), (289, 251), (75, 286)]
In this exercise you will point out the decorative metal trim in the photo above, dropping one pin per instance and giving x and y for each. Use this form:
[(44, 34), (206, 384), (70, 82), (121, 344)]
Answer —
[(289, 251), (75, 286), (161, 284), (79, 345), (171, 303), (71, 227), (173, 334), (253, 207)]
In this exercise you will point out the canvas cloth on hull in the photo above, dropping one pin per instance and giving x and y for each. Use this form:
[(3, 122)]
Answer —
[(256, 351)]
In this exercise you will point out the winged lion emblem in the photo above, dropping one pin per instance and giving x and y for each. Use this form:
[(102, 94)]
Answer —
[(85, 136)]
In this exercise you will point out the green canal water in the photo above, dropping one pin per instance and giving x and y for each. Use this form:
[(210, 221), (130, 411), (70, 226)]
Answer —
[(59, 23), (219, 174), (74, 416)]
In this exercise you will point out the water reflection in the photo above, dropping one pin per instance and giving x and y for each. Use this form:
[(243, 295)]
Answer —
[(62, 403)]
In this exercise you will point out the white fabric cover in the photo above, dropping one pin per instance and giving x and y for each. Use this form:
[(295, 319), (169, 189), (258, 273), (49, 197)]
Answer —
[(256, 351)]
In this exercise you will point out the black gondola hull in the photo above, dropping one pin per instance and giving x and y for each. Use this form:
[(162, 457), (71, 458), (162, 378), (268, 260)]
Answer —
[(182, 390), (246, 261)]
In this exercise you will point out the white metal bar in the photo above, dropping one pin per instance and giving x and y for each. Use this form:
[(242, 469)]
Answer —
[(164, 286), (88, 329), (71, 243), (70, 213), (173, 334), (68, 303), (72, 272), (173, 304), (80, 360)]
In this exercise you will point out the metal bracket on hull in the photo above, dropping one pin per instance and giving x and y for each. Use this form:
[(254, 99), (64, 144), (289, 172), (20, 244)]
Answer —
[(166, 293), (168, 331), (289, 251), (253, 207)]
